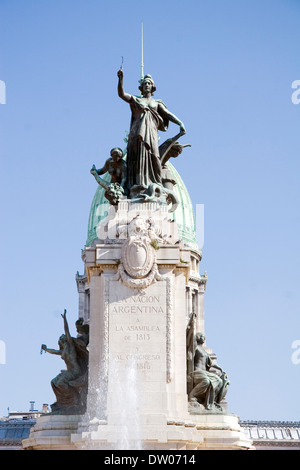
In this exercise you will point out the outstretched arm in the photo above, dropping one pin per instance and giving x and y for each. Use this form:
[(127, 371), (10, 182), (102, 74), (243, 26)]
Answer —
[(125, 96), (51, 351), (164, 111), (99, 180), (104, 169)]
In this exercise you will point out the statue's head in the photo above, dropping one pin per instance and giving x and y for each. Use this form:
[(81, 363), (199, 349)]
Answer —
[(200, 338), (147, 84), (116, 154), (81, 327), (61, 341)]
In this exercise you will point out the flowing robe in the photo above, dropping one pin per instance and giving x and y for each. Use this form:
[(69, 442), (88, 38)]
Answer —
[(205, 381), (143, 161)]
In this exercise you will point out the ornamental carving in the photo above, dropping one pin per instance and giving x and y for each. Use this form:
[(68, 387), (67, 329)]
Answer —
[(138, 267)]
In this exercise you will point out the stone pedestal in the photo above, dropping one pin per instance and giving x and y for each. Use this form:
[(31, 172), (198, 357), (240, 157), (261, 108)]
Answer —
[(143, 286), (221, 432), (139, 303), (200, 432), (204, 432), (52, 432)]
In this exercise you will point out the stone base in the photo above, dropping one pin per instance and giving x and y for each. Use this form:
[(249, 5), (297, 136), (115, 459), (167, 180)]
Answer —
[(52, 432), (202, 432), (179, 436), (221, 432)]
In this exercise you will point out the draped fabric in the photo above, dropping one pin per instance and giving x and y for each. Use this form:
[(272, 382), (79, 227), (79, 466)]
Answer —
[(207, 385), (204, 380), (143, 162)]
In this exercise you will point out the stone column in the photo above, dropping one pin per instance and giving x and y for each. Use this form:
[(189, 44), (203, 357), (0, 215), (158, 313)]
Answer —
[(97, 353), (80, 281)]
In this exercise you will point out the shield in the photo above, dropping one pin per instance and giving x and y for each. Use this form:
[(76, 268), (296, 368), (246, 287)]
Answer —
[(138, 257)]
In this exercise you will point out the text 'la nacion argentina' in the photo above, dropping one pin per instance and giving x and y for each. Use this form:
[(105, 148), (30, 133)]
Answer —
[(136, 309)]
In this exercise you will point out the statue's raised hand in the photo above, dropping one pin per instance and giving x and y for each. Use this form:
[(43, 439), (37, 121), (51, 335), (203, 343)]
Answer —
[(120, 74)]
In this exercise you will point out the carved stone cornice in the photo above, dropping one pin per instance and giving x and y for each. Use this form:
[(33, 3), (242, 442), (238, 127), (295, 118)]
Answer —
[(93, 271)]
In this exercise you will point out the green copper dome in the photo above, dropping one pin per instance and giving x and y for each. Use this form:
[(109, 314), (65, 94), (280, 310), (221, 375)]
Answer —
[(183, 215)]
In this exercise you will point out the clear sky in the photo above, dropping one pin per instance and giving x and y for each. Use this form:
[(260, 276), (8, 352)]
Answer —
[(226, 69)]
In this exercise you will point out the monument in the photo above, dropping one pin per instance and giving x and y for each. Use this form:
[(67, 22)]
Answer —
[(139, 375)]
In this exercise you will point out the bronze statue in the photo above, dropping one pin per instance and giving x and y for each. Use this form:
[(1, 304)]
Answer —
[(116, 167), (70, 386), (144, 169), (209, 388)]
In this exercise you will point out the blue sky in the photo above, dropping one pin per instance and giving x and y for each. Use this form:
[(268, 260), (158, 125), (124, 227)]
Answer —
[(226, 70)]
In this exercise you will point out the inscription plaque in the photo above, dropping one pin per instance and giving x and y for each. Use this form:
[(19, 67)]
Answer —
[(137, 324)]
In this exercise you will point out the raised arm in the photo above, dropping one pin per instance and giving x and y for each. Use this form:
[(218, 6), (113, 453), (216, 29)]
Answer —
[(66, 326), (125, 96)]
